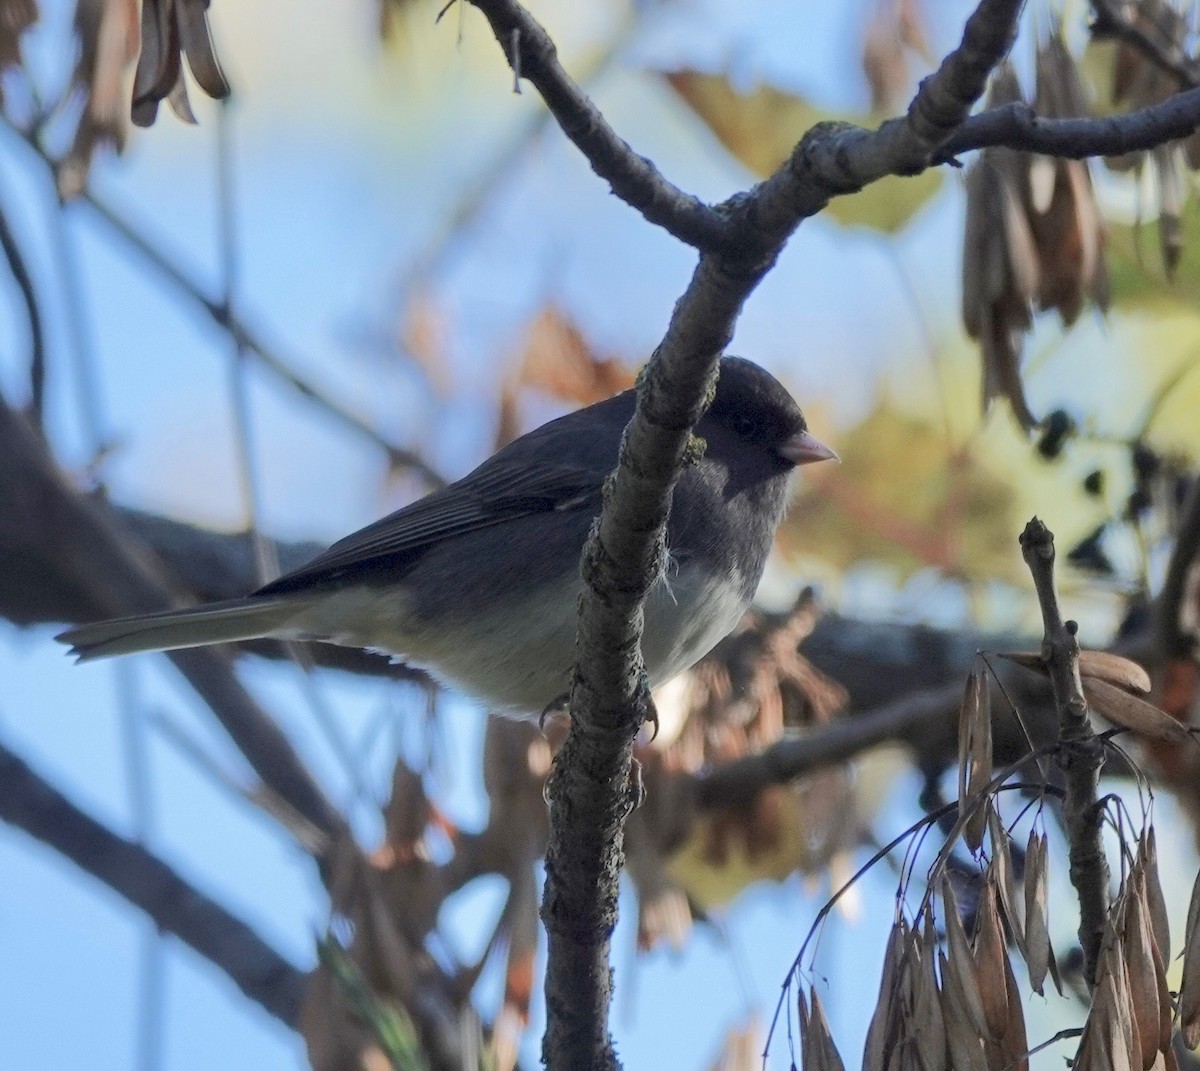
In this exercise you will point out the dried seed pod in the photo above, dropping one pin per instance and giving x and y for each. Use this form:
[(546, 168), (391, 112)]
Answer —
[(1037, 934), (1115, 669), (1000, 262), (1065, 221), (1093, 665), (1005, 878), (927, 1025), (962, 962), (1132, 713), (1189, 989), (823, 1048), (1139, 965), (990, 957), (1015, 1044), (878, 1043), (975, 755), (1155, 901), (964, 1045)]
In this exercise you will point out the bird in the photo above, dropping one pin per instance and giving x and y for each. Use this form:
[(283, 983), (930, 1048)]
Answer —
[(479, 581)]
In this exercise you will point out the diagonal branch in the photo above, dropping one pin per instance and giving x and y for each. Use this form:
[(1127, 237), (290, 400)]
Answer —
[(30, 803), (533, 56), (94, 553), (243, 334)]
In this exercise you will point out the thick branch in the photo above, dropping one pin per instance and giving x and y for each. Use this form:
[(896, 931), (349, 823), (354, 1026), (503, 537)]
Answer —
[(259, 971), (91, 552), (1016, 126), (913, 717), (633, 178), (1082, 754)]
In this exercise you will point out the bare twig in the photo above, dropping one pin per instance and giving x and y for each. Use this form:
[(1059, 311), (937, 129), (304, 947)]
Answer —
[(243, 334), (263, 974), (1016, 126), (1081, 752), (1113, 18), (740, 781), (633, 178), (33, 316), (1173, 640)]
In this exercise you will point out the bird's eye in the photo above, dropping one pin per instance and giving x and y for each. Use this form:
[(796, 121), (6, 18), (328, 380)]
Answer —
[(743, 425)]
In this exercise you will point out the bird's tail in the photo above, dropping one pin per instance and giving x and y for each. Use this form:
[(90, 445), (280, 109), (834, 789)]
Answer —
[(221, 622)]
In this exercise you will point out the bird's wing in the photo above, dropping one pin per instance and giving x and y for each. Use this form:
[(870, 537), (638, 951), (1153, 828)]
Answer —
[(501, 490)]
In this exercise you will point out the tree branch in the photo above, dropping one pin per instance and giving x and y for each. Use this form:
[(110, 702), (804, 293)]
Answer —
[(914, 716), (1113, 19), (590, 793), (1016, 126), (83, 541), (533, 56), (1082, 753), (244, 335), (259, 971), (37, 342)]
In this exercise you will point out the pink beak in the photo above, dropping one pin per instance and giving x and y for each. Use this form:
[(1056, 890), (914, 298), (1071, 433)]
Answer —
[(804, 449)]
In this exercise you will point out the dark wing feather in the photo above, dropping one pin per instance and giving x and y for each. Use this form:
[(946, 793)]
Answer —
[(561, 466)]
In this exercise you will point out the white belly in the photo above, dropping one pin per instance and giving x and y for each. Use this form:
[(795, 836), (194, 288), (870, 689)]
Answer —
[(519, 661)]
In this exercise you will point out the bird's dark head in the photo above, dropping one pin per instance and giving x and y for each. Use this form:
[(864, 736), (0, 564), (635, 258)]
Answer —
[(753, 406)]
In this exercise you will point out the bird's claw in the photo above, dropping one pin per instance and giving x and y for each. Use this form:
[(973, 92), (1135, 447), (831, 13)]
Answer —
[(558, 705), (636, 788)]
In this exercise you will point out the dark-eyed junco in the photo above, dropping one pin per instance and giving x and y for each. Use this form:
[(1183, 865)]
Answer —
[(479, 581)]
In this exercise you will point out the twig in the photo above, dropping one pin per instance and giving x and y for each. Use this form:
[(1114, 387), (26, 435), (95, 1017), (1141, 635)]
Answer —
[(1112, 19), (1016, 126), (1173, 640), (242, 333), (33, 316), (263, 974), (740, 781), (1082, 753), (532, 55)]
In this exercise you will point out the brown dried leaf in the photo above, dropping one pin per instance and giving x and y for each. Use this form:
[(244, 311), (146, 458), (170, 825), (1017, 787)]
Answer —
[(559, 361), (1037, 934), (1130, 712)]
